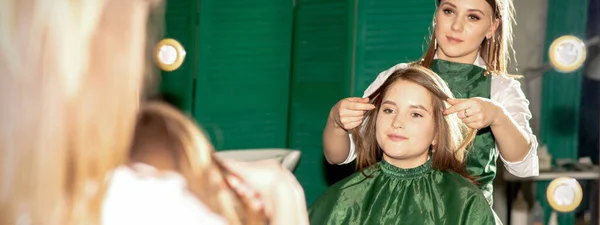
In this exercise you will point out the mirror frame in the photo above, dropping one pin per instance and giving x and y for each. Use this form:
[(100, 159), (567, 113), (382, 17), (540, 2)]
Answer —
[(555, 62), (178, 49), (569, 182)]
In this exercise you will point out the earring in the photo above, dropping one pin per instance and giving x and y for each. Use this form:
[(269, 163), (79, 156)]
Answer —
[(489, 46)]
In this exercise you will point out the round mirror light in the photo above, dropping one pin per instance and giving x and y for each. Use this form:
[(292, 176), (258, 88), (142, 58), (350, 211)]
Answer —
[(564, 194), (169, 54), (567, 53)]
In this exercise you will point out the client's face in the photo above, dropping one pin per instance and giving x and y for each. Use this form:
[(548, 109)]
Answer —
[(405, 124)]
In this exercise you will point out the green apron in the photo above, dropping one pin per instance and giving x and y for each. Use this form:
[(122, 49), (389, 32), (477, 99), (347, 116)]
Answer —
[(391, 195), (467, 81)]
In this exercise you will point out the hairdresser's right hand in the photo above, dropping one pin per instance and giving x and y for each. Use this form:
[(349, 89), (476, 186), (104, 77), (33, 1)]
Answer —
[(349, 113), (268, 186)]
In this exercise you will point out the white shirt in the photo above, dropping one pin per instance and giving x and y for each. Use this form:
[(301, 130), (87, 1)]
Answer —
[(138, 195), (504, 90)]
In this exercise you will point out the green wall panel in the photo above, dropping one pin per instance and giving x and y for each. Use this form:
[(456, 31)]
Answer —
[(389, 32), (339, 48), (180, 24), (561, 93), (321, 68), (243, 79)]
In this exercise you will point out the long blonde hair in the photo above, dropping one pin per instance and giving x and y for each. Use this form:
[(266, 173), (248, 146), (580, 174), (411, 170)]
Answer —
[(69, 92), (165, 136)]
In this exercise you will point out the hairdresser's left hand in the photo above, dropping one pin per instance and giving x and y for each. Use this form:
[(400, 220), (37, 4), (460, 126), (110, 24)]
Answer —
[(476, 112)]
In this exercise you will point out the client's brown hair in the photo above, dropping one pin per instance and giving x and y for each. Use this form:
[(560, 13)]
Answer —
[(453, 137)]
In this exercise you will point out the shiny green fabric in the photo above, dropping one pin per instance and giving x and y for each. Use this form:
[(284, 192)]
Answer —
[(421, 196), (467, 81)]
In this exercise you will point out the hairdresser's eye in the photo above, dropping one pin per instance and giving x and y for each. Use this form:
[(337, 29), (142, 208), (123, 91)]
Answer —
[(448, 11), (388, 111), (474, 17), (416, 115)]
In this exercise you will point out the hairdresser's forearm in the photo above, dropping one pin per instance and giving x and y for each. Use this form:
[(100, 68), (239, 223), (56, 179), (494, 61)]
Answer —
[(289, 206), (513, 143), (336, 143)]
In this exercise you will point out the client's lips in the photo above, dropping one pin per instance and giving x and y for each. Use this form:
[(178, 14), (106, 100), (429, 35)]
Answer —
[(454, 40), (396, 137)]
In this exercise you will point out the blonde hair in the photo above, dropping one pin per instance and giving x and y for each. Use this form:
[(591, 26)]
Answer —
[(165, 136), (73, 74), (69, 92)]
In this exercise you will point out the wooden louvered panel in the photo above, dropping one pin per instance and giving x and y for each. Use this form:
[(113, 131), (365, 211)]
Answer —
[(242, 89), (320, 79), (389, 32)]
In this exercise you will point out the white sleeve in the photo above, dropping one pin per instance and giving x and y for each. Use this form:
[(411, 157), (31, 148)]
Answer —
[(352, 152), (508, 93), (372, 88), (143, 198)]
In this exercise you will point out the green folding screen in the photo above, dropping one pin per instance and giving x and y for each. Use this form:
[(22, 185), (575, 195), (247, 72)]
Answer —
[(321, 74), (252, 84), (389, 32), (243, 72)]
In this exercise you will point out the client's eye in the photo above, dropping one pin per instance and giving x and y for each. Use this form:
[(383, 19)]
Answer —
[(388, 111), (416, 115), (473, 17)]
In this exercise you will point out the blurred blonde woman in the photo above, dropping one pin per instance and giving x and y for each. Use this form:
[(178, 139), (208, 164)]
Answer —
[(71, 77), (170, 152)]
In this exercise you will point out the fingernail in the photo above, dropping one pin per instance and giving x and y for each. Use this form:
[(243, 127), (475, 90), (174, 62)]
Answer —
[(233, 181)]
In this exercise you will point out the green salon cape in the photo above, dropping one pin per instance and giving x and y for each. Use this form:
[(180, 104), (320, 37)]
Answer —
[(417, 196), (467, 81)]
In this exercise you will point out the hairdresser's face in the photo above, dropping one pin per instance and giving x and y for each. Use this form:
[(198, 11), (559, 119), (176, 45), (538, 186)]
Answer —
[(461, 26), (405, 124)]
